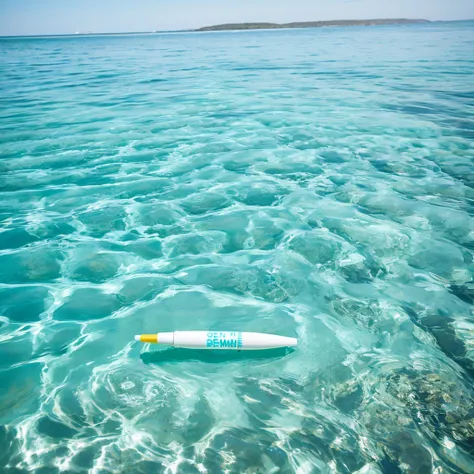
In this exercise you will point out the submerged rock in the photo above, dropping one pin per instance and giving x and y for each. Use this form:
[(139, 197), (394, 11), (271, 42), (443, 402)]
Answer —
[(33, 265), (23, 304), (142, 288), (99, 222), (324, 441), (96, 267), (317, 247), (464, 292), (441, 326), (88, 303), (441, 405), (201, 203), (10, 452)]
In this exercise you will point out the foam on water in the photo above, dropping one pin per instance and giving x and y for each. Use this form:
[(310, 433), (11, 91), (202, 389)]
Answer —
[(316, 183)]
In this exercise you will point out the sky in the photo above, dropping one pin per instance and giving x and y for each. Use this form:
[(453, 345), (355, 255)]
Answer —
[(36, 17)]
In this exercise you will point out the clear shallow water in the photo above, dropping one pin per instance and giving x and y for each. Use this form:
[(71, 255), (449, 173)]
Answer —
[(316, 183)]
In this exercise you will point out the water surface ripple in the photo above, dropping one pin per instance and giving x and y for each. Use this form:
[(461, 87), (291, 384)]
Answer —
[(317, 183)]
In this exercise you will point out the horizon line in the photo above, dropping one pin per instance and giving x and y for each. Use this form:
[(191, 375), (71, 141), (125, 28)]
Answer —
[(197, 30)]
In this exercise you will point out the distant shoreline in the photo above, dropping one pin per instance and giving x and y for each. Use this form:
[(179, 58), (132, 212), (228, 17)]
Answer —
[(310, 24), (246, 27)]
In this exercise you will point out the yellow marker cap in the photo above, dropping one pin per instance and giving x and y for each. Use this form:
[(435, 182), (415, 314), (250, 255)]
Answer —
[(151, 338)]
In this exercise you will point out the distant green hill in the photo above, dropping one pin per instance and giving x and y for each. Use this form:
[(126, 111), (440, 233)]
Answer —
[(309, 24)]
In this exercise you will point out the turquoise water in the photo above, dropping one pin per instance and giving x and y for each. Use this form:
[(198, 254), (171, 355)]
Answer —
[(312, 183)]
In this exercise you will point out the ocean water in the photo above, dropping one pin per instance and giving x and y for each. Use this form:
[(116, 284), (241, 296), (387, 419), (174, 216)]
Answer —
[(313, 183)]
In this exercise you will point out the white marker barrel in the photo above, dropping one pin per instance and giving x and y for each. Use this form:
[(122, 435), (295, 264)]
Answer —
[(241, 341)]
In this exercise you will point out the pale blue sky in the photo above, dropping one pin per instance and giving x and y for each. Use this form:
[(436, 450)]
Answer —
[(24, 17)]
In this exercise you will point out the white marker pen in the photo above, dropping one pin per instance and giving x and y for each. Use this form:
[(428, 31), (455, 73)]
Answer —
[(241, 341)]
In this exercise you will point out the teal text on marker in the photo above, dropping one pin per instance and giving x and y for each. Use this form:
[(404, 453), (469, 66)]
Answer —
[(224, 339)]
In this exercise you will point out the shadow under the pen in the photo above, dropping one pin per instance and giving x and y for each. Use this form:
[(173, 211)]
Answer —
[(210, 356)]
